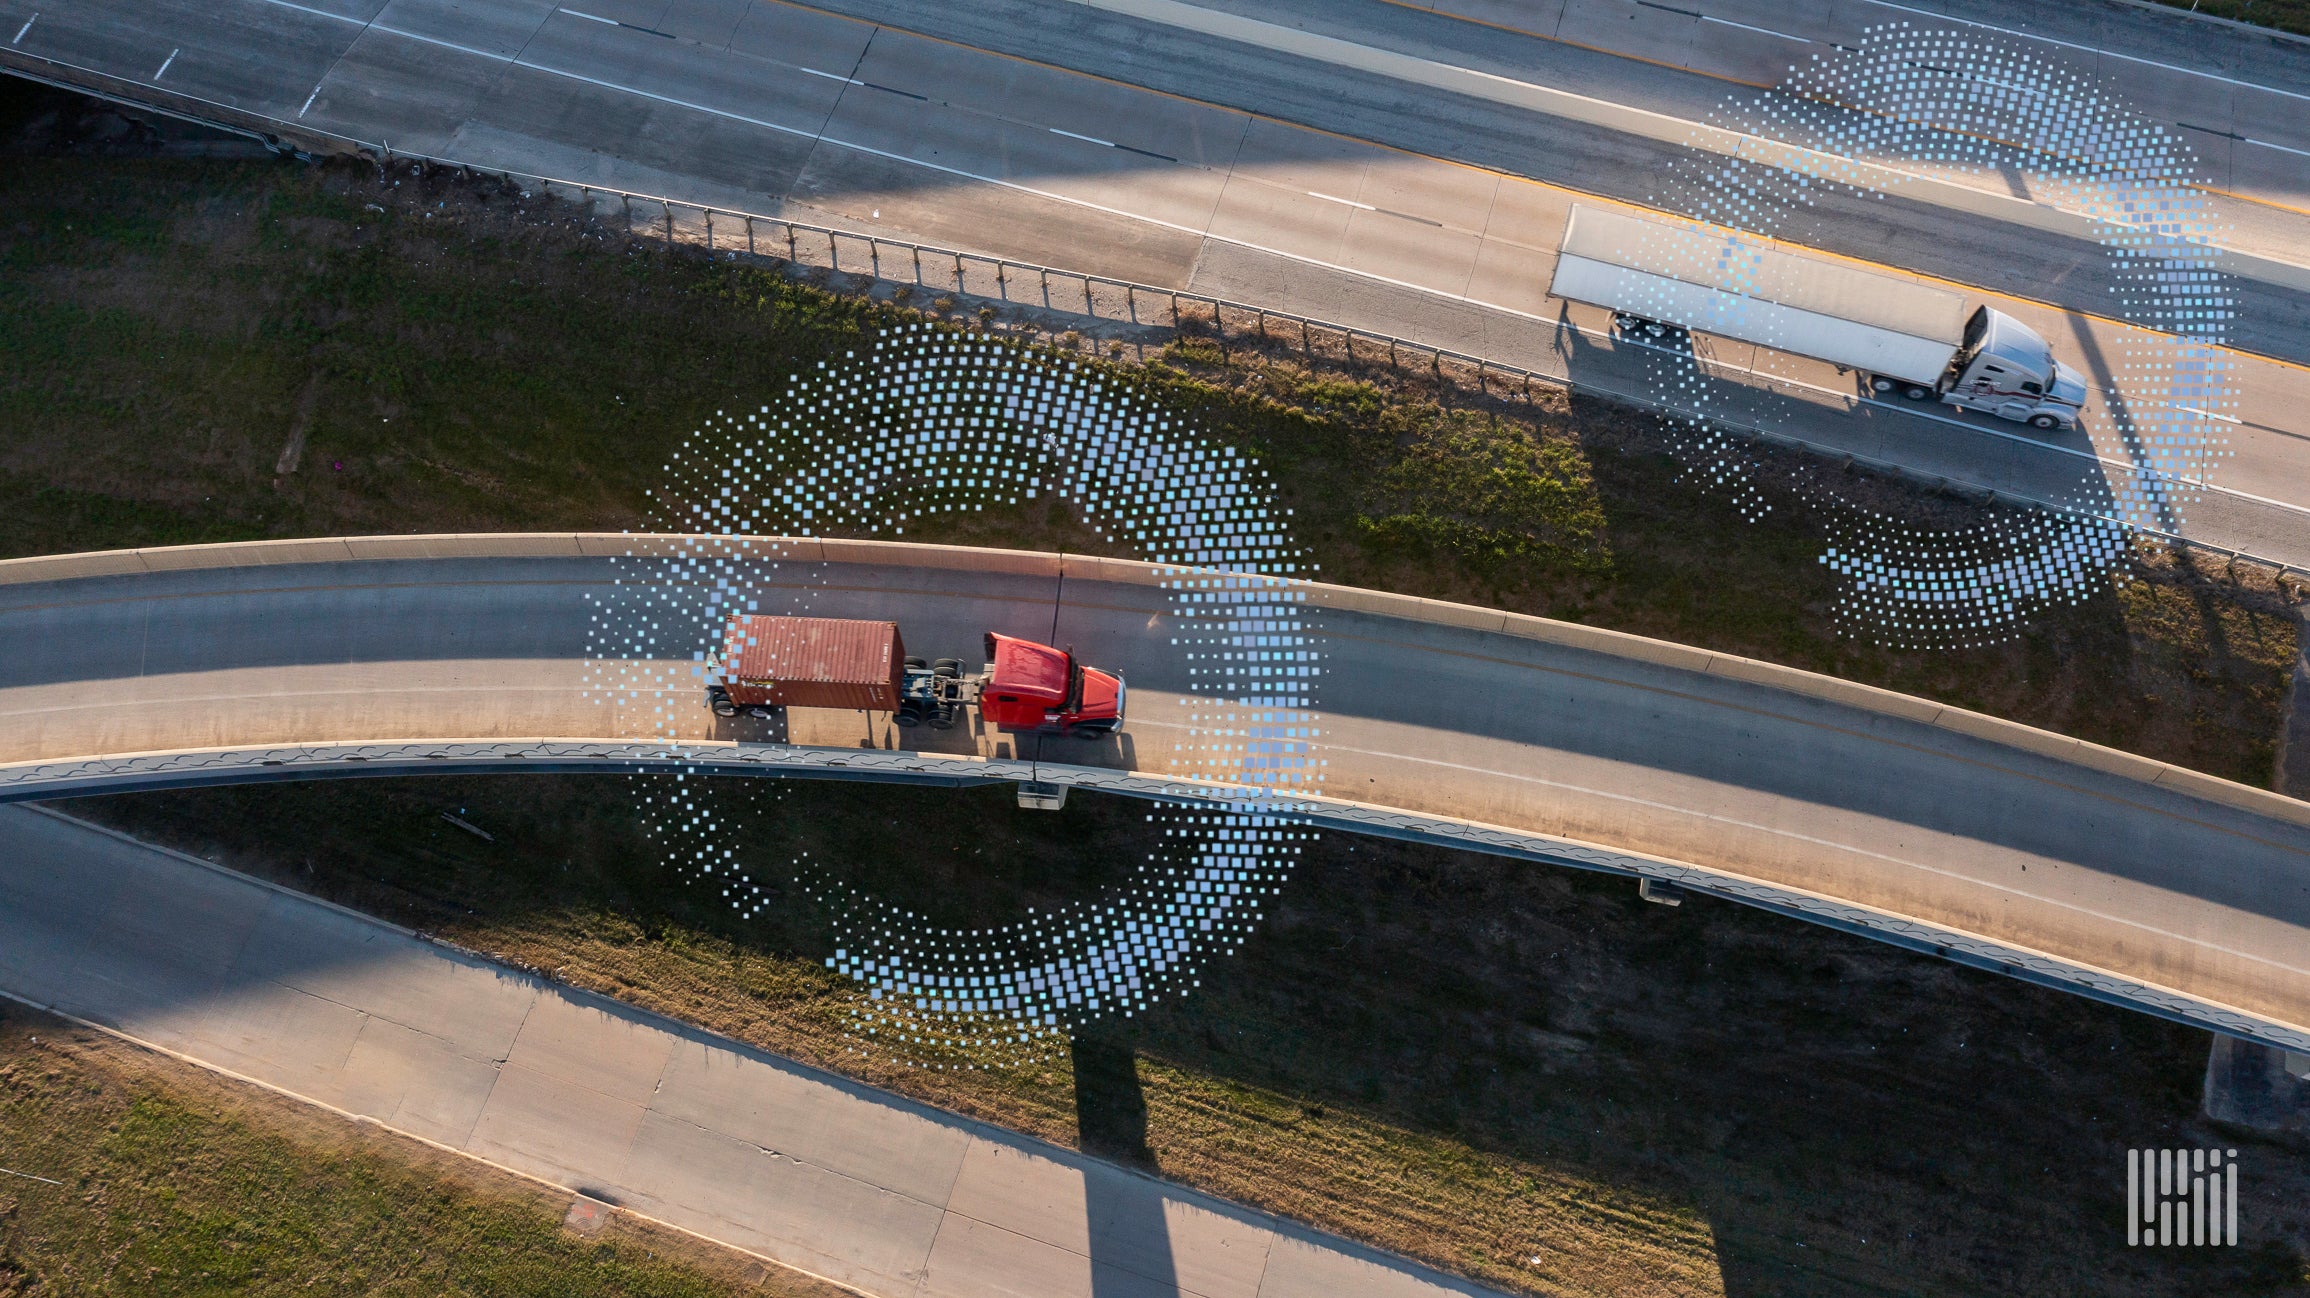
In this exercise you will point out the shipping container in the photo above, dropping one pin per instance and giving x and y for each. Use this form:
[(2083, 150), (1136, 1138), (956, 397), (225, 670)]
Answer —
[(813, 662)]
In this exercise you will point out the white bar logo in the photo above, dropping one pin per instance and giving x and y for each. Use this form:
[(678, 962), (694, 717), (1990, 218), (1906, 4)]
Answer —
[(2181, 1196)]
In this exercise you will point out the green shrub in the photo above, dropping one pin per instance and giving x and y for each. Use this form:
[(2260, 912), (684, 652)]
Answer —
[(1491, 492)]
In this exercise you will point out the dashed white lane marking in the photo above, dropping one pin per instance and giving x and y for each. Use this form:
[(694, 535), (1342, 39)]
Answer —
[(25, 28), (1995, 204), (1956, 191), (164, 64), (1087, 139), (2282, 148), (577, 14), (1334, 198), (832, 76), (1000, 183), (309, 99)]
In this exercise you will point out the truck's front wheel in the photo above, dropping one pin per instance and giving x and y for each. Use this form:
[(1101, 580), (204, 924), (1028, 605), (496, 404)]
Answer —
[(2044, 423)]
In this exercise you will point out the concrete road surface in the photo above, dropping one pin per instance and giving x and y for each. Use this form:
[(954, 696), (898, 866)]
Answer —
[(1947, 831), (1313, 161), (816, 1172)]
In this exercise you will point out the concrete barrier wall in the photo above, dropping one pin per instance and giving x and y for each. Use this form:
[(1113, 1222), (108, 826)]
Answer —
[(1410, 608)]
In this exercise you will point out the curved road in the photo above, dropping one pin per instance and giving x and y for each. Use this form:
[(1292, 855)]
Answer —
[(1981, 840)]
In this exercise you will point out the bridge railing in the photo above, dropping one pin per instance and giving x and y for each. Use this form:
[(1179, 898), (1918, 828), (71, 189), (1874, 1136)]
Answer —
[(988, 277)]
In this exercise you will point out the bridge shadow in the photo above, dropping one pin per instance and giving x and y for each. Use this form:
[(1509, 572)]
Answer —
[(1796, 1096), (1130, 1242)]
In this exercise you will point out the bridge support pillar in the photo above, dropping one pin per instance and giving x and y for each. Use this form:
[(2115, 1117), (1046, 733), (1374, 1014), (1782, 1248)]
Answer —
[(2255, 1086)]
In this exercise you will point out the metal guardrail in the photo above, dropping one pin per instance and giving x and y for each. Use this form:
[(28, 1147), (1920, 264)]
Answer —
[(992, 277)]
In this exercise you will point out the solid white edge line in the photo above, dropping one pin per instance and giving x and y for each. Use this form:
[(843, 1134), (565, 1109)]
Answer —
[(1118, 6), (2090, 49), (1160, 223), (1762, 31), (1533, 97)]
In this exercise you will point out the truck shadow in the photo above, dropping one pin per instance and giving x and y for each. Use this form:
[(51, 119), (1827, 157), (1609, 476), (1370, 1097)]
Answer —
[(1115, 752), (751, 730), (1677, 374)]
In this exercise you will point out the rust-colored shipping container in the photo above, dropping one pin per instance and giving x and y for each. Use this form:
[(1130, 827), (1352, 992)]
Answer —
[(813, 662)]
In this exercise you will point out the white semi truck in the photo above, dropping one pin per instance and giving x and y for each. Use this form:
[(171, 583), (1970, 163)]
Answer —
[(1902, 336)]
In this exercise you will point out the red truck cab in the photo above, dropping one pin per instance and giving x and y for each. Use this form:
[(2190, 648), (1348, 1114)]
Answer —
[(1031, 686)]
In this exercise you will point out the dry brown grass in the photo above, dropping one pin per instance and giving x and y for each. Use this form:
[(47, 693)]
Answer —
[(1473, 1061)]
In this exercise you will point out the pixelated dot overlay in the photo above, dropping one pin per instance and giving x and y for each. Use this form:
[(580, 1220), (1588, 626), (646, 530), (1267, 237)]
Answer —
[(930, 422), (1936, 101)]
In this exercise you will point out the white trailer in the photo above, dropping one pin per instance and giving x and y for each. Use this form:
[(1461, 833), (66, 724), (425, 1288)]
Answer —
[(1903, 336)]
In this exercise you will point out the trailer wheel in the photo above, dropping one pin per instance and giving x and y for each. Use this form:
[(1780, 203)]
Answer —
[(914, 664), (2044, 422), (948, 667), (943, 719), (724, 708), (908, 717), (761, 713), (1879, 383)]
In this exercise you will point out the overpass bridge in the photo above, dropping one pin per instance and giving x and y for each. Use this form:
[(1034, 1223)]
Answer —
[(1972, 838)]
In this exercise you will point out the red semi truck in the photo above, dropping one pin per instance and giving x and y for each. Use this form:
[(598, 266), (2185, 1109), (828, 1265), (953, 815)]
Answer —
[(768, 663)]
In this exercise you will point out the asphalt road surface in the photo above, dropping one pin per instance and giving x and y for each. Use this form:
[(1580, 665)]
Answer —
[(1947, 831), (1381, 165)]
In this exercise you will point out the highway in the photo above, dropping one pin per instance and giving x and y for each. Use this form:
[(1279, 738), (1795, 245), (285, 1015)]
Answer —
[(1401, 170), (1946, 831)]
